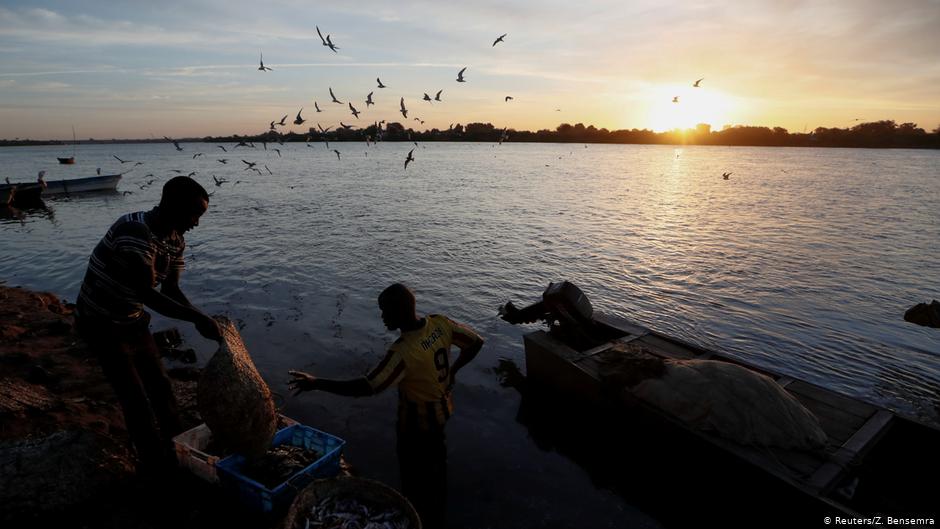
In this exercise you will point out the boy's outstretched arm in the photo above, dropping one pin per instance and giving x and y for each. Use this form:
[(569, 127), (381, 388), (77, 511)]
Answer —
[(357, 387)]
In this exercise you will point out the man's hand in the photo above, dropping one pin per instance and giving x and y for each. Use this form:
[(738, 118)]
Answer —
[(209, 328), (301, 382)]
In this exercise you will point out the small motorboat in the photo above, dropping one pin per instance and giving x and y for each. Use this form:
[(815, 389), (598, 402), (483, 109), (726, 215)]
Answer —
[(27, 195), (82, 185), (6, 194), (67, 161)]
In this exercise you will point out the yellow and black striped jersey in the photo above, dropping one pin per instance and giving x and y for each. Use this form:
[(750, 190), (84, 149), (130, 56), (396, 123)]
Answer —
[(419, 362)]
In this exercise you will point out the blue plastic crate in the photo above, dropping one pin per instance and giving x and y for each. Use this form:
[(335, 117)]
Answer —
[(259, 498)]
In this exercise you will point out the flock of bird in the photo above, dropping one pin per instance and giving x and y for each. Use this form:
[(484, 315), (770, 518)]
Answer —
[(369, 101)]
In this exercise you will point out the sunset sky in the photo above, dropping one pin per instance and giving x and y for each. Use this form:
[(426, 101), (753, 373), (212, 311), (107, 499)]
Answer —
[(135, 69)]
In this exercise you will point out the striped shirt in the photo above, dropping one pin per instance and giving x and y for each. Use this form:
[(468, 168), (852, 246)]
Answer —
[(419, 363), (109, 292)]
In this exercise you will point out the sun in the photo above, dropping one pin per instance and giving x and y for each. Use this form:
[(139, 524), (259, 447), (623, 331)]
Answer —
[(693, 106)]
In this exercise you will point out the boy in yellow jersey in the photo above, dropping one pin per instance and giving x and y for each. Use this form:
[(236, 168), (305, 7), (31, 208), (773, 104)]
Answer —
[(419, 362)]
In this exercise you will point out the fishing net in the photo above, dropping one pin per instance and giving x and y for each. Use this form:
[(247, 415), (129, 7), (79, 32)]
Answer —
[(234, 400), (732, 402)]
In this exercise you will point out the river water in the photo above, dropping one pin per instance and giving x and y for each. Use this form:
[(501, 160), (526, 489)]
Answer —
[(803, 261)]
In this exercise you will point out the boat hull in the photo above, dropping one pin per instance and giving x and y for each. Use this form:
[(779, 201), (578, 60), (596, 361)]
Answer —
[(67, 161), (6, 194), (26, 195), (82, 185)]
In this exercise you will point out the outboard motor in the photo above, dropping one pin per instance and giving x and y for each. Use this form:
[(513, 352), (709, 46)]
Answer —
[(563, 303)]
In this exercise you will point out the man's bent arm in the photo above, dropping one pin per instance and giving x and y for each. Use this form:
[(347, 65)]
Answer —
[(169, 307), (469, 347)]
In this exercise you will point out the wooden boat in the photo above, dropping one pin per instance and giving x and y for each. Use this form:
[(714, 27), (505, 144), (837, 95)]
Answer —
[(868, 468), (27, 195), (82, 185), (6, 194)]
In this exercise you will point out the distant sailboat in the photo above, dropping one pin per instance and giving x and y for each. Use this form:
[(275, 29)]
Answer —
[(71, 159)]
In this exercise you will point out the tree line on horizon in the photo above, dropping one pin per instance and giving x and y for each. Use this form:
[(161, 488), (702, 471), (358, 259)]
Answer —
[(875, 134)]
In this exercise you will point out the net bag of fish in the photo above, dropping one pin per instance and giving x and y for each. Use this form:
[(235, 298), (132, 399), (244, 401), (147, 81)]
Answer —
[(350, 502), (234, 400)]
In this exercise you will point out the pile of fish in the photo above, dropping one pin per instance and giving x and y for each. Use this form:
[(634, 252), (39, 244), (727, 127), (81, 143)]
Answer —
[(279, 464), (351, 513)]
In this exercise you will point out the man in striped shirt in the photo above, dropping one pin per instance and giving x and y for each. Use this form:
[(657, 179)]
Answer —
[(419, 363), (140, 251)]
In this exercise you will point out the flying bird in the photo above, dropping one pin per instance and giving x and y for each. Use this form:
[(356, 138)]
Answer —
[(316, 106), (675, 99), (369, 99), (222, 160), (337, 154), (278, 151), (500, 39), (726, 175), (299, 120), (283, 120), (321, 36), (345, 126), (263, 67), (380, 83), (695, 84), (222, 147), (269, 171), (354, 111), (437, 97), (330, 44), (410, 158), (218, 181), (460, 78), (120, 160), (404, 111), (322, 130), (272, 125), (175, 143), (427, 97), (197, 155), (334, 97), (508, 98)]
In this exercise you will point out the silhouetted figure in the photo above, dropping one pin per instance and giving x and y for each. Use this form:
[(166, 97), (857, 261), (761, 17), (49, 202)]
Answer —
[(419, 364), (140, 251), (926, 314)]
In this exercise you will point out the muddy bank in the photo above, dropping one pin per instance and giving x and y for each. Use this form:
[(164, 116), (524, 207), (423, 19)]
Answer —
[(63, 443)]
